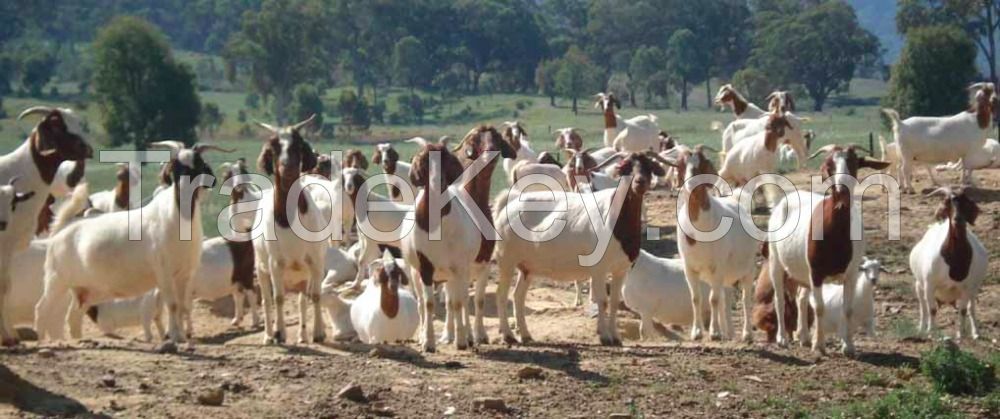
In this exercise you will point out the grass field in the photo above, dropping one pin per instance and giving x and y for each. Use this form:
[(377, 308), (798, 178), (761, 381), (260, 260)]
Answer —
[(843, 124)]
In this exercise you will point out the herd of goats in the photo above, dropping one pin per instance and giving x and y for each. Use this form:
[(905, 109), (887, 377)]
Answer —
[(66, 253)]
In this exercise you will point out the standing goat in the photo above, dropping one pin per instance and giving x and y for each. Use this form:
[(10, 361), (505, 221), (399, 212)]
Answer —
[(943, 139), (742, 108), (637, 134), (387, 158), (811, 261), (58, 137), (94, 260), (287, 261), (535, 252), (657, 289), (117, 199), (949, 263)]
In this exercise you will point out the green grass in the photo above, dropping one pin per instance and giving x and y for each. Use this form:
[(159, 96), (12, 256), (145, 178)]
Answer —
[(849, 124), (955, 371), (910, 402)]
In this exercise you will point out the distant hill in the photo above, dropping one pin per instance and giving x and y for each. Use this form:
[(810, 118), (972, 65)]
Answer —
[(879, 17)]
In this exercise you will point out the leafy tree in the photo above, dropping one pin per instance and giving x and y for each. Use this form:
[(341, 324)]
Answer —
[(686, 62), (307, 101), (410, 62), (355, 114), (754, 84), (819, 48), (280, 46), (936, 65), (143, 92), (647, 61), (7, 67), (980, 19), (211, 118), (578, 76), (37, 68), (545, 79), (411, 107)]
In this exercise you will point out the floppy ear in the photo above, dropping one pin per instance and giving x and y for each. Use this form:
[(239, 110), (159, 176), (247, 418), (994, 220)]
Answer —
[(417, 172), (309, 159), (165, 173), (873, 164), (265, 162), (506, 150), (21, 197), (658, 169), (377, 157)]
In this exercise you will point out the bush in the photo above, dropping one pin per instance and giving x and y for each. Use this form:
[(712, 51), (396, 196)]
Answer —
[(904, 403), (957, 372)]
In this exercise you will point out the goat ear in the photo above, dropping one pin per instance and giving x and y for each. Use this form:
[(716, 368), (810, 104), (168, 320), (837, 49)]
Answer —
[(658, 169), (417, 173), (309, 159), (265, 162), (873, 164), (506, 150), (377, 156)]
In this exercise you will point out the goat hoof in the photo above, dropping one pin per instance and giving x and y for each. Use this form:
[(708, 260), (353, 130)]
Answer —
[(429, 348), (509, 339), (616, 342), (9, 342), (527, 339), (279, 338), (482, 339), (319, 337)]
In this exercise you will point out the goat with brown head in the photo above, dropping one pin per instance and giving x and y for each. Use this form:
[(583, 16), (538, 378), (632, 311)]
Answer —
[(57, 138), (286, 155)]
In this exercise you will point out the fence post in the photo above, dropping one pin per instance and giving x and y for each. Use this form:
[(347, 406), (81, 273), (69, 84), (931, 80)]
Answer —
[(871, 143)]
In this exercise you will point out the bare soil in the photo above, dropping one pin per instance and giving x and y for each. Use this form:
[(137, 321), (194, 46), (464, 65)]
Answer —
[(579, 378)]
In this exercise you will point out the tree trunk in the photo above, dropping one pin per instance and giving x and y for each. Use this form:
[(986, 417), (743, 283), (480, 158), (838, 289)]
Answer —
[(475, 81), (574, 105), (819, 98), (708, 92), (552, 100), (684, 94)]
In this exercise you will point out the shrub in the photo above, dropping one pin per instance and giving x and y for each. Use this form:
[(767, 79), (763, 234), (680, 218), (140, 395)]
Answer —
[(910, 402), (955, 371)]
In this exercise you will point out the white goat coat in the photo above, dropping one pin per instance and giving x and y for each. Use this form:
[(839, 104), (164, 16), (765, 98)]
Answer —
[(129, 312), (864, 306), (374, 326), (637, 134), (740, 130), (929, 267), (27, 275), (656, 288)]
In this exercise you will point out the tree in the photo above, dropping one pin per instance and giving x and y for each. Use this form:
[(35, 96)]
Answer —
[(819, 48), (935, 67), (211, 118), (545, 79), (145, 95), (577, 76), (686, 62), (37, 68), (306, 101), (647, 61), (980, 19), (280, 46), (355, 114), (410, 63), (754, 84)]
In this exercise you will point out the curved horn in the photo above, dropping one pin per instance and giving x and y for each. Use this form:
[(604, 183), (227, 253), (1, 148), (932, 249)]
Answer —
[(305, 123), (660, 158), (42, 110), (824, 149), (943, 191), (421, 141), (443, 140), (268, 127), (13, 180), (610, 160), (201, 148), (980, 85), (174, 145)]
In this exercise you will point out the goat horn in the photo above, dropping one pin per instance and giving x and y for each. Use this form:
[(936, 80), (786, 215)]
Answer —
[(443, 140), (174, 145), (13, 180), (268, 127), (304, 123), (979, 85), (201, 148), (610, 160), (421, 141), (43, 110), (822, 150), (944, 191), (661, 159)]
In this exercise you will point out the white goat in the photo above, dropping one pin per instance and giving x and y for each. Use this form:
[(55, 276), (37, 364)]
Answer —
[(742, 108), (657, 289), (143, 310), (117, 199), (810, 261), (864, 300), (94, 260), (988, 158), (949, 263), (384, 312), (944, 139), (725, 262), (757, 154), (516, 137), (57, 138), (637, 134), (534, 251), (286, 260), (227, 268)]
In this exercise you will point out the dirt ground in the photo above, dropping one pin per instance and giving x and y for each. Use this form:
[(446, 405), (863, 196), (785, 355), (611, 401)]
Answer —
[(579, 378)]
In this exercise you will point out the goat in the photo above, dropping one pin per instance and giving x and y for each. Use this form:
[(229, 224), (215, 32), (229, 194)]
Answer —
[(987, 158), (285, 260), (656, 288), (227, 268), (811, 261), (69, 176), (569, 138), (387, 157), (355, 159), (94, 260), (516, 137), (57, 138), (727, 261), (742, 108), (944, 139), (143, 310), (385, 313), (637, 134), (756, 155), (117, 199), (538, 253), (949, 263)]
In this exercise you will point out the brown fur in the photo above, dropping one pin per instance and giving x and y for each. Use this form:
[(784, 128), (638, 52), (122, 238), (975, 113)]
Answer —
[(122, 187), (243, 263), (610, 120), (628, 228), (775, 130), (50, 134), (45, 216), (426, 269), (389, 289), (956, 250), (451, 170), (764, 316), (984, 106), (471, 148), (738, 103), (301, 159), (355, 159)]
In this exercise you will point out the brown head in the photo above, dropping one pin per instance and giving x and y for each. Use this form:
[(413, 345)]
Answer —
[(514, 133), (569, 138), (187, 162), (666, 141), (642, 167), (481, 140), (985, 104), (58, 137), (578, 163), (449, 170), (955, 206), (231, 170), (956, 250), (780, 100), (386, 156), (286, 155), (845, 160), (774, 130), (388, 276), (728, 96), (608, 103), (356, 159), (691, 163), (324, 166)]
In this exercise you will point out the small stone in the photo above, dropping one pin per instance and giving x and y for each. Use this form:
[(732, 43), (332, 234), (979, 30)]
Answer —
[(108, 381), (723, 394), (115, 406), (489, 403), (167, 347), (352, 392), (144, 387), (27, 334), (212, 397), (46, 353), (530, 373), (453, 365), (450, 411), (380, 409)]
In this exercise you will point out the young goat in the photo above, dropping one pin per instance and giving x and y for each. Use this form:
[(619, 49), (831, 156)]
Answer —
[(656, 288), (384, 312), (143, 310), (949, 263), (812, 261)]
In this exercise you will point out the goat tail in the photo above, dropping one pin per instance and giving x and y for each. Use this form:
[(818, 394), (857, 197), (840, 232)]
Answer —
[(882, 146), (894, 117), (79, 201)]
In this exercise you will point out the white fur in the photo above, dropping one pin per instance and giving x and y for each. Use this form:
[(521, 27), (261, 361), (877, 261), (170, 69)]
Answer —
[(657, 289), (374, 326), (143, 310), (864, 300)]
